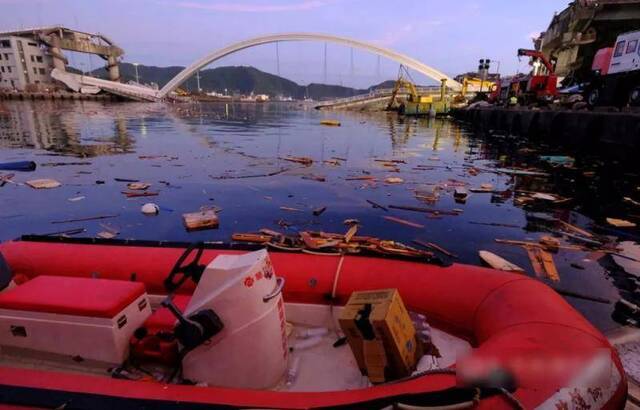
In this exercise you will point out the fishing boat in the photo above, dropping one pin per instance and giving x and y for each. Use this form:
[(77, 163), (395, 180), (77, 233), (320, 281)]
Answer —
[(513, 330)]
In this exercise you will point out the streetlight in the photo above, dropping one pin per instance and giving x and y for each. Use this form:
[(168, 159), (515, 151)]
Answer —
[(135, 65)]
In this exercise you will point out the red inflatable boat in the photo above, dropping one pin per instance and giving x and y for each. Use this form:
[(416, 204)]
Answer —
[(507, 320)]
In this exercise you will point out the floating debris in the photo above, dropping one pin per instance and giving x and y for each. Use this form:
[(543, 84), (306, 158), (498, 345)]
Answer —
[(125, 180), (431, 245), (76, 198), (44, 183), (89, 218), (361, 178), (319, 211), (621, 223), (138, 186), (394, 180), (498, 262), (628, 257), (331, 123), (318, 178), (558, 160), (291, 209), (150, 209), (139, 194), (460, 195), (403, 222), (300, 160), (18, 166), (251, 237), (542, 262), (204, 219), (377, 205), (62, 164)]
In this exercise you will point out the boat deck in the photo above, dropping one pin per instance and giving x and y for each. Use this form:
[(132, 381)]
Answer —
[(321, 367)]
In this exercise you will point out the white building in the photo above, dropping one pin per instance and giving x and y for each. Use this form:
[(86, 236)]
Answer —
[(25, 64)]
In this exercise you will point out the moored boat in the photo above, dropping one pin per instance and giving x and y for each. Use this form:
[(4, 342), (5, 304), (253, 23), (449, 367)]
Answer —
[(517, 324)]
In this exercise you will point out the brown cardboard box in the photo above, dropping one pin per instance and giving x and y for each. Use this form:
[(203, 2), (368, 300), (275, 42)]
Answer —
[(380, 333)]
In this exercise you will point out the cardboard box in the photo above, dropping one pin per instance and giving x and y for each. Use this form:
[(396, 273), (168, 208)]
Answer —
[(380, 333)]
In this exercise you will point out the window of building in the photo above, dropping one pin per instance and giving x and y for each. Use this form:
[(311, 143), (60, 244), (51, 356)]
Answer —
[(5, 43), (39, 59), (6, 56), (9, 69), (35, 70), (619, 49), (2, 68), (33, 44), (632, 46), (41, 70), (33, 60)]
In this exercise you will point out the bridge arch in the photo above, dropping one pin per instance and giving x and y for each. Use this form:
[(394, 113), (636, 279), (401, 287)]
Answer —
[(257, 41)]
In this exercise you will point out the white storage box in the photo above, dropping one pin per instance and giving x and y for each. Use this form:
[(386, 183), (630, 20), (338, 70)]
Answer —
[(251, 351), (77, 317)]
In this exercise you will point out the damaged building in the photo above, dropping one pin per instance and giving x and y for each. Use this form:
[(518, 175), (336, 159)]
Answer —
[(579, 31)]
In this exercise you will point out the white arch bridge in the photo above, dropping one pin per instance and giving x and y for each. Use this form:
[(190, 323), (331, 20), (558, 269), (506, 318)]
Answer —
[(148, 94)]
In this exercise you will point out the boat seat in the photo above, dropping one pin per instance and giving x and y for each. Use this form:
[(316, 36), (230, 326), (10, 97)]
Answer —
[(100, 298), (162, 319)]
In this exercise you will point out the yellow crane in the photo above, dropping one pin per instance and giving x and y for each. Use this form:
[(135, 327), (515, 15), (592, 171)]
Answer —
[(405, 83)]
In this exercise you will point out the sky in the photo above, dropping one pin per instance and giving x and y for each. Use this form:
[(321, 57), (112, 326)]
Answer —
[(448, 35)]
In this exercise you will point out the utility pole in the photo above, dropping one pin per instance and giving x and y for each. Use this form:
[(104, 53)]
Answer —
[(278, 58)]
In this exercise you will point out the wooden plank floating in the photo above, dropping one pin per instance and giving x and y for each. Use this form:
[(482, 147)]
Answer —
[(403, 222), (542, 262), (498, 262)]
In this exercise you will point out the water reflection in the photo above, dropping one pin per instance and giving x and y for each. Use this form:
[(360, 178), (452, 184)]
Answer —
[(45, 126)]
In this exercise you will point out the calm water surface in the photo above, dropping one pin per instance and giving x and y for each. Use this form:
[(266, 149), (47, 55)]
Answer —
[(213, 155)]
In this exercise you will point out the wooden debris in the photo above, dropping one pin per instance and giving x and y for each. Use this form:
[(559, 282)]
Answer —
[(621, 223), (89, 218), (393, 180), (350, 233), (550, 243), (249, 237), (544, 197), (377, 205), (498, 262), (333, 162), (270, 174), (575, 229), (204, 219), (76, 198), (403, 222), (44, 183), (106, 234), (290, 209), (542, 262), (125, 180), (318, 178), (361, 178), (138, 186), (330, 123), (537, 245), (300, 160), (438, 248), (139, 194), (425, 210)]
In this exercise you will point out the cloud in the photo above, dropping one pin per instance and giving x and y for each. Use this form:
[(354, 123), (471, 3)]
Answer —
[(254, 7)]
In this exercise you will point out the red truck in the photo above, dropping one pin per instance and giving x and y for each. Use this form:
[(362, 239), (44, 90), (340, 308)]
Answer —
[(535, 87)]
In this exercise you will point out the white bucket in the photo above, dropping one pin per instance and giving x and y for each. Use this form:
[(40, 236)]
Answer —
[(251, 351)]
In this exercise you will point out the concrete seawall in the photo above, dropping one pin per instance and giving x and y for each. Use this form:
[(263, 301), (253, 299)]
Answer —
[(577, 129)]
